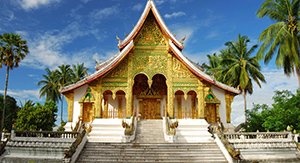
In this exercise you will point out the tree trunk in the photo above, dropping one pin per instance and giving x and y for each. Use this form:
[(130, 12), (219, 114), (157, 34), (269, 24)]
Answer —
[(298, 75), (245, 104), (61, 111), (4, 102)]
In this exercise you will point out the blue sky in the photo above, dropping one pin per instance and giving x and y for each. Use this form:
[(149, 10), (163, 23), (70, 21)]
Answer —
[(75, 31)]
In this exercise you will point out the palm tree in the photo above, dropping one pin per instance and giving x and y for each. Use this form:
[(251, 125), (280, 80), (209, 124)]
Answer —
[(282, 37), (13, 50), (213, 66), (50, 87), (240, 68), (64, 76), (78, 72)]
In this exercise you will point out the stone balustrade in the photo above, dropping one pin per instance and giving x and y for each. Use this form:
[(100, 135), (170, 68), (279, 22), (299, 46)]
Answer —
[(46, 134), (257, 135), (40, 145), (271, 146)]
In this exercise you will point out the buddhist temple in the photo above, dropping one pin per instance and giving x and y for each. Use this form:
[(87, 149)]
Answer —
[(149, 78)]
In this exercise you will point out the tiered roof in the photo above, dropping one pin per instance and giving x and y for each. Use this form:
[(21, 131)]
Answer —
[(127, 45)]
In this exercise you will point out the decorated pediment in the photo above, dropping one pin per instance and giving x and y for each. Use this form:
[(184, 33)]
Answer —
[(149, 93), (150, 34), (211, 98), (88, 96)]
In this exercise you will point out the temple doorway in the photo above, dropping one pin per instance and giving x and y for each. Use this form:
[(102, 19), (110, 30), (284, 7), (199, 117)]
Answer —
[(150, 96), (87, 115)]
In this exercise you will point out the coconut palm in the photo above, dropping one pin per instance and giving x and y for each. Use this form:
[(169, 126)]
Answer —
[(282, 37), (50, 87), (13, 50), (241, 69), (64, 78), (213, 66), (79, 72)]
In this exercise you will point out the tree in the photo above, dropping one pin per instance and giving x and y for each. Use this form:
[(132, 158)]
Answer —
[(11, 110), (240, 68), (50, 87), (285, 111), (282, 37), (13, 50), (79, 71), (213, 66), (35, 117), (64, 76), (56, 79)]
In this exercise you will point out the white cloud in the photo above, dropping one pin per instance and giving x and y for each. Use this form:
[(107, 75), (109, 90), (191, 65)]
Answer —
[(159, 2), (104, 13), (47, 50), (85, 1), (138, 7), (212, 35), (174, 15), (276, 80), (34, 4), (23, 95)]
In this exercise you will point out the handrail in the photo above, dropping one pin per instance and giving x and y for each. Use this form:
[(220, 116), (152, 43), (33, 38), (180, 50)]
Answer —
[(234, 153), (129, 129), (258, 135), (77, 126), (2, 146), (46, 134), (170, 127), (69, 153)]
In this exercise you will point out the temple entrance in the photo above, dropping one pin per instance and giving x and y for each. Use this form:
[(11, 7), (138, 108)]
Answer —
[(150, 96), (150, 109), (211, 113), (87, 115), (212, 108)]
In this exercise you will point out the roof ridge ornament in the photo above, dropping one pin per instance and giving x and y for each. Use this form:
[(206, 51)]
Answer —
[(183, 39), (119, 40)]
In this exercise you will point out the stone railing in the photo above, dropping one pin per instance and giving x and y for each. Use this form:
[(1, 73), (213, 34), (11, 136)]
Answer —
[(46, 134), (44, 145), (258, 135), (74, 150), (171, 126), (2, 146), (129, 129), (261, 140), (78, 125), (220, 136)]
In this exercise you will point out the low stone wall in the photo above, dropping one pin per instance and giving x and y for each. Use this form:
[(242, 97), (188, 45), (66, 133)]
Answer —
[(272, 146), (38, 146)]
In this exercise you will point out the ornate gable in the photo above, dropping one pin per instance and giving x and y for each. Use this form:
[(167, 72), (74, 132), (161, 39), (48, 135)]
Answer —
[(150, 34)]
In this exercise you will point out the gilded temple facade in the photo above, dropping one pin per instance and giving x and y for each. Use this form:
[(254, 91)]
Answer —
[(149, 78)]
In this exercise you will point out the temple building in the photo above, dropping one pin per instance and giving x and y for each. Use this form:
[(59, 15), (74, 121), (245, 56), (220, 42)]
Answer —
[(151, 78)]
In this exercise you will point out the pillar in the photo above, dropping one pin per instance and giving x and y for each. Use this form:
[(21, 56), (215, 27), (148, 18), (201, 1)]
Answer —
[(70, 101), (228, 98)]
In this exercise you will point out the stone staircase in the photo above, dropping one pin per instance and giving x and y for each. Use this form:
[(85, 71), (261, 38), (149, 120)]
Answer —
[(150, 131), (193, 131), (106, 130), (165, 152), (150, 146)]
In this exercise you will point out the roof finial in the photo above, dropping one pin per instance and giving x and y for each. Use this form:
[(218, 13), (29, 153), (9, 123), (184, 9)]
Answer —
[(119, 40), (183, 39)]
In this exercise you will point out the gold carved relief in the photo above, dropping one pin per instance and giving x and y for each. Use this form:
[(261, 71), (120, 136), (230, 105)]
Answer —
[(120, 71), (180, 70), (150, 34)]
